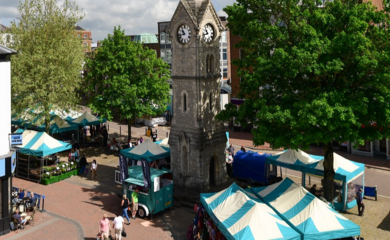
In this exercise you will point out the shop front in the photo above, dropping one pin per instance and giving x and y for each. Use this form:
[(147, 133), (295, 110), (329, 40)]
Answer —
[(7, 168)]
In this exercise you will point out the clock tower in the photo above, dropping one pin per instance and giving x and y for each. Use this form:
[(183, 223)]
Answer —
[(197, 140)]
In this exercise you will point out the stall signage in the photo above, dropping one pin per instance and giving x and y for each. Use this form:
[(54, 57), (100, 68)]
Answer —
[(16, 139)]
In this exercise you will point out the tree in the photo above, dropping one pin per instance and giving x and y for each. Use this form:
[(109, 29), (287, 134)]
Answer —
[(126, 79), (312, 74), (46, 69)]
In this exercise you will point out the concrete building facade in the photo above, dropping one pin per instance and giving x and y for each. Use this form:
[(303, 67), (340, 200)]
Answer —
[(197, 140)]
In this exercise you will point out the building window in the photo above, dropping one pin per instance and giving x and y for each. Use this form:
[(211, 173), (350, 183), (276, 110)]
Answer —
[(211, 63), (78, 35), (224, 73), (85, 35), (85, 44), (185, 102), (184, 161), (207, 64), (169, 56), (210, 101), (162, 37), (224, 54), (223, 37)]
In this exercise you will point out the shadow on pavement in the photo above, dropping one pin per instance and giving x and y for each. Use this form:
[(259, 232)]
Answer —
[(385, 224)]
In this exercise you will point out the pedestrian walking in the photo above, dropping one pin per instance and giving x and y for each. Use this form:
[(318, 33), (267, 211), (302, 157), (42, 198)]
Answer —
[(231, 150), (243, 149), (229, 166), (134, 200), (125, 206), (83, 164), (359, 200), (118, 226), (93, 169), (154, 137), (104, 227), (105, 136)]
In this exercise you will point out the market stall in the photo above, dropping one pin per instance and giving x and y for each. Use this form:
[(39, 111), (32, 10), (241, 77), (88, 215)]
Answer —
[(310, 216), (348, 179), (293, 159), (241, 215), (58, 125), (38, 152), (147, 150), (87, 119)]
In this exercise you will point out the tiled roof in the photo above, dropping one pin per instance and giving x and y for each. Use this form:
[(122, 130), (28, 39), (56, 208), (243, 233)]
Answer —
[(2, 27), (6, 51), (78, 28)]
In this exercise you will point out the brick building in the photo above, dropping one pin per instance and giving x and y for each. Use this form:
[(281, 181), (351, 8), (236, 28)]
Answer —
[(86, 38)]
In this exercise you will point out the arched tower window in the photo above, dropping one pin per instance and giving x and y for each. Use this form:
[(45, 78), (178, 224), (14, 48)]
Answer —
[(211, 68), (184, 160), (211, 102), (207, 64), (185, 102)]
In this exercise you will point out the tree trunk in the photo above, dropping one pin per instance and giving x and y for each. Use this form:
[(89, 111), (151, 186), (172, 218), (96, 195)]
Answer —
[(129, 129), (328, 172), (47, 121)]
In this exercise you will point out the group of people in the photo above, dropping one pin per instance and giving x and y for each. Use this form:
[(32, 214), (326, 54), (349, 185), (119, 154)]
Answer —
[(119, 223), (21, 197), (27, 201), (84, 170)]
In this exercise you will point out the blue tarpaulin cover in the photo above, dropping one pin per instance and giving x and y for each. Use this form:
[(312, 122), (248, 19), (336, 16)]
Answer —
[(250, 165)]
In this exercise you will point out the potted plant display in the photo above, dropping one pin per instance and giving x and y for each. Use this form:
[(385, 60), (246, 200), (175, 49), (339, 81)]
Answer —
[(45, 178), (55, 175)]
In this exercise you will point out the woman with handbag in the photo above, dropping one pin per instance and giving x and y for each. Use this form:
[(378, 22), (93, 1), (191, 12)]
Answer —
[(125, 205)]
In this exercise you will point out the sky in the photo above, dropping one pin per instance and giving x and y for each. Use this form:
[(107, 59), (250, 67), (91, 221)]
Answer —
[(134, 16)]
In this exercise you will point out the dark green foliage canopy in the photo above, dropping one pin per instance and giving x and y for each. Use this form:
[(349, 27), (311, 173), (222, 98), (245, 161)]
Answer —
[(312, 74), (127, 79)]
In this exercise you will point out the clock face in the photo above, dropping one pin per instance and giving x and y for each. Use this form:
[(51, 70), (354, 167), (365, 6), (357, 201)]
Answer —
[(184, 33), (208, 33)]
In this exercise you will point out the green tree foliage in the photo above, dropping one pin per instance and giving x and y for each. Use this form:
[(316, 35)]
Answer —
[(312, 74), (126, 79), (46, 69)]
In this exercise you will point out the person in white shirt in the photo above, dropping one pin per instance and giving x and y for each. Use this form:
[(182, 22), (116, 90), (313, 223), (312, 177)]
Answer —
[(130, 144), (93, 169), (118, 226)]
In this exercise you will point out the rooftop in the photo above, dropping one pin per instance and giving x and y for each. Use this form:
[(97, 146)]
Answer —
[(2, 27), (6, 51), (146, 38), (78, 28)]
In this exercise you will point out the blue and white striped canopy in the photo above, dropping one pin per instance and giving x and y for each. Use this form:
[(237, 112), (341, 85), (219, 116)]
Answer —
[(346, 170), (147, 150), (41, 144), (294, 159), (313, 218), (87, 119), (58, 125), (241, 215)]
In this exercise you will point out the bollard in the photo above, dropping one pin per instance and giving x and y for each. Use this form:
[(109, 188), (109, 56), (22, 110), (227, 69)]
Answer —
[(146, 131), (167, 134), (120, 131), (43, 203), (108, 126)]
